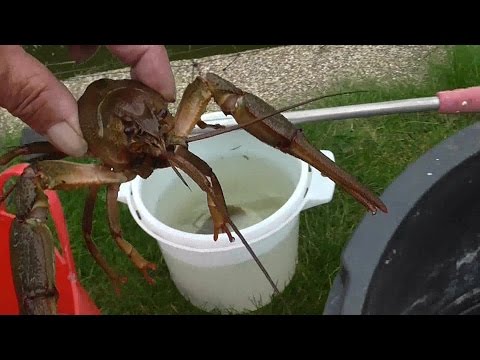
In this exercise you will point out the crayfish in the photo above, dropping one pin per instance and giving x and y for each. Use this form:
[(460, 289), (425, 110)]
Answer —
[(129, 129)]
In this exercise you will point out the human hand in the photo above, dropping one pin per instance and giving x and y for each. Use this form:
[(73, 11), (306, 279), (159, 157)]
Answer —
[(32, 93)]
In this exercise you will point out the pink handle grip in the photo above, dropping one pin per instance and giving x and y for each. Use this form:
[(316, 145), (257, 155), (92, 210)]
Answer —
[(460, 100)]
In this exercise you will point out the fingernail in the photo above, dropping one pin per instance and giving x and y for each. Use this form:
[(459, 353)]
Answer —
[(66, 139), (171, 97)]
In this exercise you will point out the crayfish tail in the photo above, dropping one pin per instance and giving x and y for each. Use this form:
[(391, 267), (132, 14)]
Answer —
[(31, 249)]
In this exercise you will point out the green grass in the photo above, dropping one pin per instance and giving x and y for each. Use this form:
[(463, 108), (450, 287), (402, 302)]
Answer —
[(375, 150)]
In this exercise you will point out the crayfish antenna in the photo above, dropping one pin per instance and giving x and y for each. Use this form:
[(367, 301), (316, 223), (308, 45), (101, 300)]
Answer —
[(180, 176), (254, 256), (259, 263), (237, 127)]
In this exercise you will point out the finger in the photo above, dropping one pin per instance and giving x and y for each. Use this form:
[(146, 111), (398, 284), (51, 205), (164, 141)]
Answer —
[(150, 65), (81, 53), (32, 93)]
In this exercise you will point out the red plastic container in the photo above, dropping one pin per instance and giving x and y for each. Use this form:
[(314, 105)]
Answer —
[(73, 299)]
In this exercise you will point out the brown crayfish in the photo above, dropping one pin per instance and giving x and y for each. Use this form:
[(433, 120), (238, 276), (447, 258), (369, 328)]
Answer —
[(129, 129)]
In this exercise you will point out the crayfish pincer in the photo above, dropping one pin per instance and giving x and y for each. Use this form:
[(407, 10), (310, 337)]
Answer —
[(130, 131)]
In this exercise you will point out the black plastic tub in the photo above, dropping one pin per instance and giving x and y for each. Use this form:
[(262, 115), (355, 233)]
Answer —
[(423, 256)]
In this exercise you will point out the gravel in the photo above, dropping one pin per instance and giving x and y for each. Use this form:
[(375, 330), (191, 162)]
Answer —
[(285, 74)]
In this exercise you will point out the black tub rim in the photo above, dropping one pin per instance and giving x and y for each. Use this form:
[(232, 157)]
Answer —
[(363, 252)]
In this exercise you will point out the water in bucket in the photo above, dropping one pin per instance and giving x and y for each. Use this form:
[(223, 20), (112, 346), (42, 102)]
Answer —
[(250, 197)]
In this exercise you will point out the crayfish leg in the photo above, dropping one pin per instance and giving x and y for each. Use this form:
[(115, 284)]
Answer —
[(116, 231), (64, 175), (194, 101), (87, 225), (205, 178), (219, 222)]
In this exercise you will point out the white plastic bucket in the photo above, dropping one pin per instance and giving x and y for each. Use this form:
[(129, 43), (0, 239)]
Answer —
[(219, 274)]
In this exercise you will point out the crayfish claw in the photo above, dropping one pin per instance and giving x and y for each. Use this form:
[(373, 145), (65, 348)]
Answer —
[(222, 228), (229, 234)]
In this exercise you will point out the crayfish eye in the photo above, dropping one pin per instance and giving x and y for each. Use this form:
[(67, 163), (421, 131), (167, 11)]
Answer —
[(129, 131), (162, 114)]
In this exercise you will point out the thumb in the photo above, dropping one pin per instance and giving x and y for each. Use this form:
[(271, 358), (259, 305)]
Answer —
[(32, 93)]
